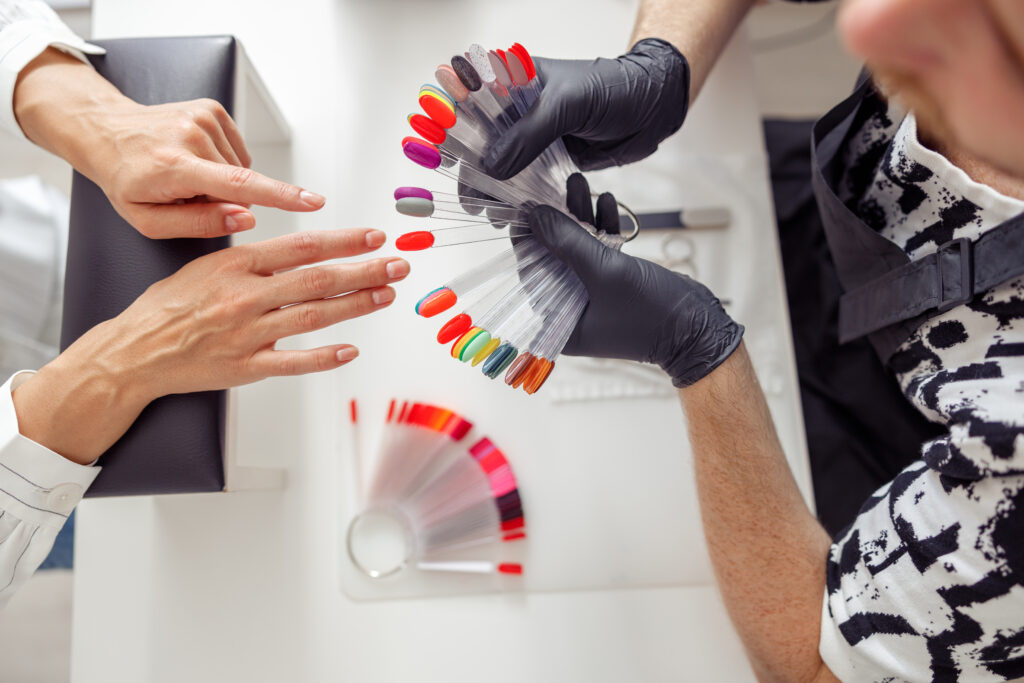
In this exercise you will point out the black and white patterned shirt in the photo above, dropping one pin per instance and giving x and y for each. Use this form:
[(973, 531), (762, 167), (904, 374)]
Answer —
[(927, 584)]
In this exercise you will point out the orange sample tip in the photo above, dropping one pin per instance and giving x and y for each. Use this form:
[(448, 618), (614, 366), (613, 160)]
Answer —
[(437, 301), (415, 241), (537, 378), (510, 568)]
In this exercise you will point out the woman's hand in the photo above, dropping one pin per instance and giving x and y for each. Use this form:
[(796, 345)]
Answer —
[(170, 170), (213, 324)]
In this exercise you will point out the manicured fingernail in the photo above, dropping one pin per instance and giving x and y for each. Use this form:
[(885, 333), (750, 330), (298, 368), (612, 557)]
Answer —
[(346, 354), (375, 238), (397, 269), (237, 222), (312, 199), (383, 296)]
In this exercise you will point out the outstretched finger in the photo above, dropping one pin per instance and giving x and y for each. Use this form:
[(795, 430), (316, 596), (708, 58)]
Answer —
[(245, 186), (322, 282), (303, 248), (316, 315), (272, 363)]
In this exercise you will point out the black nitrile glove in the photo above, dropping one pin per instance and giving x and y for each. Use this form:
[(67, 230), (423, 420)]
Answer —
[(610, 111), (639, 310)]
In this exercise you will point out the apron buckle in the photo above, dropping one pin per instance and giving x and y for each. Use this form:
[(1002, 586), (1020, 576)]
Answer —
[(955, 273)]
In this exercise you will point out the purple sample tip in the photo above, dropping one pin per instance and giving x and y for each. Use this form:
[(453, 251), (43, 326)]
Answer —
[(428, 157), (403, 192)]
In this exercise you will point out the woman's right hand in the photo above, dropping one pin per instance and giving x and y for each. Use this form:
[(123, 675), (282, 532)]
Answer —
[(214, 324)]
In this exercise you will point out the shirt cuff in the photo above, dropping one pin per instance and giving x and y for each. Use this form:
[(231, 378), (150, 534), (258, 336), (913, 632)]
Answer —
[(23, 41), (37, 482)]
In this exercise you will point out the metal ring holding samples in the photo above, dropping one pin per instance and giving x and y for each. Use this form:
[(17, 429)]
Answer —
[(632, 216), (371, 572)]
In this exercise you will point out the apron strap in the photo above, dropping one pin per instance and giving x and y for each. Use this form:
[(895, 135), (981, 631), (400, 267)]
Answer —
[(938, 282)]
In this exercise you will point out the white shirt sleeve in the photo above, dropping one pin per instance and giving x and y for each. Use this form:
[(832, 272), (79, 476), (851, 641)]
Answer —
[(38, 490), (27, 28)]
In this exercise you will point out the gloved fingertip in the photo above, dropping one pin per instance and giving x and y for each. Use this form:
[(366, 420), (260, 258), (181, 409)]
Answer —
[(577, 198), (577, 182), (607, 214)]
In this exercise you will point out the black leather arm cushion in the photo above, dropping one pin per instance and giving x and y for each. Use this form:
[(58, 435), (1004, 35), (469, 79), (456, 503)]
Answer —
[(177, 443)]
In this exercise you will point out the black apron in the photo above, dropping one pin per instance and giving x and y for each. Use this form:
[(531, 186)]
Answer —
[(854, 298)]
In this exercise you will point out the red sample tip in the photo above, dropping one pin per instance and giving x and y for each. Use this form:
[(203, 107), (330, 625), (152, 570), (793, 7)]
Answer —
[(524, 56), (391, 410), (438, 110), (454, 328), (415, 241), (513, 524), (352, 410), (510, 568), (514, 537), (427, 128)]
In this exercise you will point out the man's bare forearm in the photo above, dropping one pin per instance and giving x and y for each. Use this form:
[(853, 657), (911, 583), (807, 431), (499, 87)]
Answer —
[(699, 29), (768, 550)]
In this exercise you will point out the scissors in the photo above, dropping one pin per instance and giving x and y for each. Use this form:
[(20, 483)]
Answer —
[(677, 253)]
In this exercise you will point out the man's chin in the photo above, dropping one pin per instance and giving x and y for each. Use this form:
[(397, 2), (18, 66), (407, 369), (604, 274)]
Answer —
[(933, 127), (907, 92)]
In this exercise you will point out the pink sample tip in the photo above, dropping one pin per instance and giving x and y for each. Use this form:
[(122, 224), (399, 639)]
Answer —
[(502, 481), (403, 192), (422, 152), (481, 448), (459, 429)]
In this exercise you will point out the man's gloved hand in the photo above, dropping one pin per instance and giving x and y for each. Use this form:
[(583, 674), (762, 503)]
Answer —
[(638, 310), (610, 111)]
